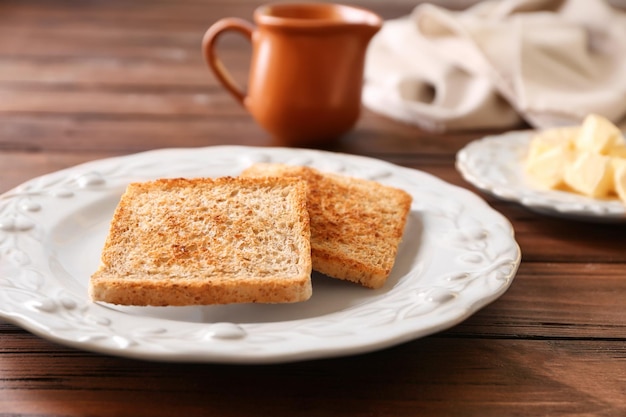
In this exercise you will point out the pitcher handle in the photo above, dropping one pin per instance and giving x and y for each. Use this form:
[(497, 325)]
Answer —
[(210, 54)]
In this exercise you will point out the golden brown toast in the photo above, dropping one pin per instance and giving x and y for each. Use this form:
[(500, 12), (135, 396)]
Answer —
[(207, 241)]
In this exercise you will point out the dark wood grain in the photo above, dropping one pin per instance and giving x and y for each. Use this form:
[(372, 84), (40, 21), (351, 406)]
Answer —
[(85, 80)]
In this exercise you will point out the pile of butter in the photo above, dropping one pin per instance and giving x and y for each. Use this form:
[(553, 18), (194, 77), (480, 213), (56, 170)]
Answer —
[(589, 159)]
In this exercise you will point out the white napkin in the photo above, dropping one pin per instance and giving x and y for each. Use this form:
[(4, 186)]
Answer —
[(548, 62)]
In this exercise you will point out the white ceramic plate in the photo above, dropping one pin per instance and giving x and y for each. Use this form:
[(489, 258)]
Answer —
[(494, 164), (457, 256)]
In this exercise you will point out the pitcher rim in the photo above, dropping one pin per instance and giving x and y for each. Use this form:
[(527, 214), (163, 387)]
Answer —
[(262, 16)]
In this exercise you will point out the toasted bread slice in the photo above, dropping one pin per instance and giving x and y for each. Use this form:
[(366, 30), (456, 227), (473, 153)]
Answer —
[(356, 224), (207, 241)]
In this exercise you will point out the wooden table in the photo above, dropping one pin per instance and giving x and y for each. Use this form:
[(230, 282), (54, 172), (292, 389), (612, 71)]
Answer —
[(86, 80)]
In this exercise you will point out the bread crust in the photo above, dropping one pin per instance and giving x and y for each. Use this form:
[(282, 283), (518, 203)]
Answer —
[(356, 224), (175, 242)]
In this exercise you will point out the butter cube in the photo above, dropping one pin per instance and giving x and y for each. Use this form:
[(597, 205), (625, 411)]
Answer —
[(619, 177), (547, 167), (561, 137), (590, 174), (549, 153), (597, 134)]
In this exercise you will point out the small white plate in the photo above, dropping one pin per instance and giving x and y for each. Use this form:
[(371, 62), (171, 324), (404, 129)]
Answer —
[(494, 164), (457, 255)]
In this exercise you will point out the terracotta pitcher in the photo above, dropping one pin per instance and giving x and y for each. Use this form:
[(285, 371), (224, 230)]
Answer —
[(306, 71)]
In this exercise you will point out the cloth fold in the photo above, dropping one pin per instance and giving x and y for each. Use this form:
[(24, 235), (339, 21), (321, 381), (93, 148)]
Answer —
[(548, 62)]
